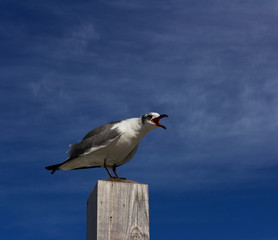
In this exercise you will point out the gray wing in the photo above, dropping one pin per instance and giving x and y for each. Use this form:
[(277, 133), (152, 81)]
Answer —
[(95, 140)]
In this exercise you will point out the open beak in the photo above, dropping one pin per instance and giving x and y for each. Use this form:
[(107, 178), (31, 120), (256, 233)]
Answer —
[(156, 121)]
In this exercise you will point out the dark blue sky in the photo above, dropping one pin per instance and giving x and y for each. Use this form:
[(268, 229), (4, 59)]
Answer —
[(212, 66)]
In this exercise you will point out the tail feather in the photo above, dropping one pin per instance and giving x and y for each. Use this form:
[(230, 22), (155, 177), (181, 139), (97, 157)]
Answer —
[(53, 167)]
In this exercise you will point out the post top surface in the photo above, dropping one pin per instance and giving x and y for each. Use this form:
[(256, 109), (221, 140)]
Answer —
[(121, 180)]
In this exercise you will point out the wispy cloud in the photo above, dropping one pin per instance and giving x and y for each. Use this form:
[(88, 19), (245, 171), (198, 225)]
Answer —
[(219, 90), (80, 38)]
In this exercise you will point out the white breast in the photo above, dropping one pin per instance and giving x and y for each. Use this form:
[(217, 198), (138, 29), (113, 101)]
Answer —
[(132, 134)]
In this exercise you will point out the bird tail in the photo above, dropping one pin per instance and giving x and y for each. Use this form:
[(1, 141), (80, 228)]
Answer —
[(53, 167)]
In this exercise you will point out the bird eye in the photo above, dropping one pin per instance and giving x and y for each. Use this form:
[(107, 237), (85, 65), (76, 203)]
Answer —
[(149, 116)]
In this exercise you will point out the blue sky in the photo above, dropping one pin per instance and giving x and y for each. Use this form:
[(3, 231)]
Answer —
[(212, 66)]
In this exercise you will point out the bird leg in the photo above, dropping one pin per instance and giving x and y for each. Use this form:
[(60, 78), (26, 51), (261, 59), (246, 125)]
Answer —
[(105, 166), (114, 170)]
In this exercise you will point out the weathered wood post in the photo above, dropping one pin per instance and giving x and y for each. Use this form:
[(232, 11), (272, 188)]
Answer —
[(118, 209)]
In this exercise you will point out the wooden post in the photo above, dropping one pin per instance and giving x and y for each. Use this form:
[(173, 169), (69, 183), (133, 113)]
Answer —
[(118, 210)]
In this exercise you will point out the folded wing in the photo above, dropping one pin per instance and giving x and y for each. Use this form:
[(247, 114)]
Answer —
[(96, 139)]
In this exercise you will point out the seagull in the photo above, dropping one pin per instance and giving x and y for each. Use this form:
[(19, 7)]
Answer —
[(110, 145)]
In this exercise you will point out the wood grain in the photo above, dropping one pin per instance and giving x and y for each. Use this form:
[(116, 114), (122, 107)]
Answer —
[(118, 210)]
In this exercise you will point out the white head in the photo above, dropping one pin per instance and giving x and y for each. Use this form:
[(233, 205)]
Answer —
[(152, 120)]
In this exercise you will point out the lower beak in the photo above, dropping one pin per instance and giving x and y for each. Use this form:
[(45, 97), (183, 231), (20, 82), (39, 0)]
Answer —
[(157, 123)]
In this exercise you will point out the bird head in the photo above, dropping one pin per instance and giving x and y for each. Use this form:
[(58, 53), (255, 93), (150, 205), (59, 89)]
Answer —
[(152, 120)]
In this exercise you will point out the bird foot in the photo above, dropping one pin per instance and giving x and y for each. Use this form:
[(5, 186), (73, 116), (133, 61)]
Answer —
[(118, 178)]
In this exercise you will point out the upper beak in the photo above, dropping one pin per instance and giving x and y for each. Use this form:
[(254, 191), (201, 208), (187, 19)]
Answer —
[(157, 123)]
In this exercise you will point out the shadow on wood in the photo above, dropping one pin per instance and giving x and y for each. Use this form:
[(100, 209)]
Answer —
[(118, 209)]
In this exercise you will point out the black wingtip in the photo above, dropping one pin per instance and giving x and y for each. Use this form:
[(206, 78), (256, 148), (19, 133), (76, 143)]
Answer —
[(53, 168)]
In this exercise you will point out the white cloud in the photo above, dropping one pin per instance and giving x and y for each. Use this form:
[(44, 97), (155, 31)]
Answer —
[(50, 92), (81, 36), (219, 93)]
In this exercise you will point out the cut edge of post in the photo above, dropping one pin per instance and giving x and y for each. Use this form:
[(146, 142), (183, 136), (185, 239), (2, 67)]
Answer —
[(123, 180)]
